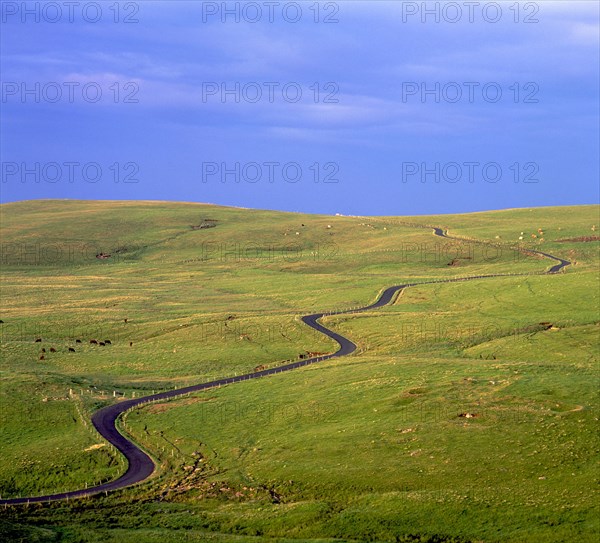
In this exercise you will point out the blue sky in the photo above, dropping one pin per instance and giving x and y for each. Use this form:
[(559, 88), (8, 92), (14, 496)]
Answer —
[(356, 130)]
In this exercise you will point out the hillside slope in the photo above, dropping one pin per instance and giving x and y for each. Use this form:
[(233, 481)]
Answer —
[(368, 448)]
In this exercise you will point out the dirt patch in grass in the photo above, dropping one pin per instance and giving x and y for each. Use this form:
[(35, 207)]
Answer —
[(164, 406), (206, 223), (580, 239), (94, 447)]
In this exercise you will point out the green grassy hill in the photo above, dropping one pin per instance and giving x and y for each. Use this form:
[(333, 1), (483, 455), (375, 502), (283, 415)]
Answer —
[(365, 448)]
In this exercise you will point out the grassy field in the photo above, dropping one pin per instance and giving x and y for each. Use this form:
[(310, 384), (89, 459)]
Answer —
[(366, 448)]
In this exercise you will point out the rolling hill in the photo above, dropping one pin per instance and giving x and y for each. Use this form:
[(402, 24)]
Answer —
[(376, 446)]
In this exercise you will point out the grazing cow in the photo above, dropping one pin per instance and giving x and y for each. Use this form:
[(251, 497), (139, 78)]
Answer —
[(42, 357), (52, 350), (38, 340), (125, 320), (131, 343), (43, 350), (101, 343), (107, 342), (77, 341), (71, 350), (93, 342)]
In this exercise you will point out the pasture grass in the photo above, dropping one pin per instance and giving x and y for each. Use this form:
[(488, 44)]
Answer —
[(366, 448)]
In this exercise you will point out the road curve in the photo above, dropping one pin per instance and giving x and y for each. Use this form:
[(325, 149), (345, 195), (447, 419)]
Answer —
[(140, 466)]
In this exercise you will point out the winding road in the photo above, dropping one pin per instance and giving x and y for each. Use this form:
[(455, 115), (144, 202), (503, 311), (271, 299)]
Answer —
[(141, 466)]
